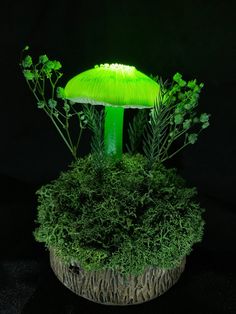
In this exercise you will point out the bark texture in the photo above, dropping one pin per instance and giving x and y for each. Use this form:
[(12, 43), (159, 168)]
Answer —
[(112, 288)]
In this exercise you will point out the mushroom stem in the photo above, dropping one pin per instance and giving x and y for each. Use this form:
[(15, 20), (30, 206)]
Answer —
[(113, 131)]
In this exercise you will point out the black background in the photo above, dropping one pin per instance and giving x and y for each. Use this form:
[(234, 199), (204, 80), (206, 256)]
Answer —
[(195, 38)]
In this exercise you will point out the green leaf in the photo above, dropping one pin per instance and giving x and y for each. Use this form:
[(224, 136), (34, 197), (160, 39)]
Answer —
[(49, 65), (188, 106), (43, 59), (27, 62), (60, 92), (66, 107), (41, 104), (181, 96), (52, 103), (178, 79), (205, 125), (192, 138), (204, 117), (187, 124), (29, 75), (178, 119), (179, 108), (57, 65), (192, 84)]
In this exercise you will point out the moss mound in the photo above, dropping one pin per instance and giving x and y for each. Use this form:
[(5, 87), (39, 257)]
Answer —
[(120, 216)]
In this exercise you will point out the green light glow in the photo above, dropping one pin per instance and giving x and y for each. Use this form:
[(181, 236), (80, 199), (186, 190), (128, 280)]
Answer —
[(113, 131), (115, 86)]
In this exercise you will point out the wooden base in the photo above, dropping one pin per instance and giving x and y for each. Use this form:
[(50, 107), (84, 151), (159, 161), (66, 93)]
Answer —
[(112, 288)]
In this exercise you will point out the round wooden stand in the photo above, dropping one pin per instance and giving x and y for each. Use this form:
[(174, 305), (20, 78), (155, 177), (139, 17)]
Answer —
[(112, 288)]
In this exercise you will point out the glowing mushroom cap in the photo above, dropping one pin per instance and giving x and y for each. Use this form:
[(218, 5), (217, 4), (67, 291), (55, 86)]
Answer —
[(114, 85)]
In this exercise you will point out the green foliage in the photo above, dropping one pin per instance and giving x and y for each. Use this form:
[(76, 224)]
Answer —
[(155, 132), (95, 122), (124, 214), (192, 138), (126, 217), (135, 131), (42, 78), (171, 119)]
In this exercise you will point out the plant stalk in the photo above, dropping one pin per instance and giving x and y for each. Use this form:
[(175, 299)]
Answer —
[(113, 131)]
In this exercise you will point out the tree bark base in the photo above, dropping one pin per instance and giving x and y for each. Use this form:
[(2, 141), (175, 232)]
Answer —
[(109, 287)]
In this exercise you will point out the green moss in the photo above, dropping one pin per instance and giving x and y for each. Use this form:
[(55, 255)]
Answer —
[(121, 215)]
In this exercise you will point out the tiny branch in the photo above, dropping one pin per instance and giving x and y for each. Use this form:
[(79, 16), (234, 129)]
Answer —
[(37, 77), (173, 117)]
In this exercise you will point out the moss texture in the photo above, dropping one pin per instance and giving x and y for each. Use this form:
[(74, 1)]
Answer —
[(120, 215)]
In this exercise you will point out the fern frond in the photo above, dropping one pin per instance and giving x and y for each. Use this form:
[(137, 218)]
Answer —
[(157, 129), (95, 122), (135, 131), (171, 119)]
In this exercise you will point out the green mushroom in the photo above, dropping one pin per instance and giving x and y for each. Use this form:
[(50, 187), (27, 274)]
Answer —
[(115, 86)]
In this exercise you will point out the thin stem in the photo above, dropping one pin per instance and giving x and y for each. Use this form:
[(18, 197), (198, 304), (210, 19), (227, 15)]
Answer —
[(35, 95), (53, 84), (68, 133), (37, 85), (165, 136), (60, 132), (170, 143), (177, 151), (78, 140), (50, 114), (58, 119)]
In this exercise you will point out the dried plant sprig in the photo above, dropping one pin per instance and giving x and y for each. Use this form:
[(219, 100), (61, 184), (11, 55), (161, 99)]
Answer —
[(173, 117), (42, 78)]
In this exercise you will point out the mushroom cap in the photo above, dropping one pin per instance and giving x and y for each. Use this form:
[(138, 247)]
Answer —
[(115, 85)]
